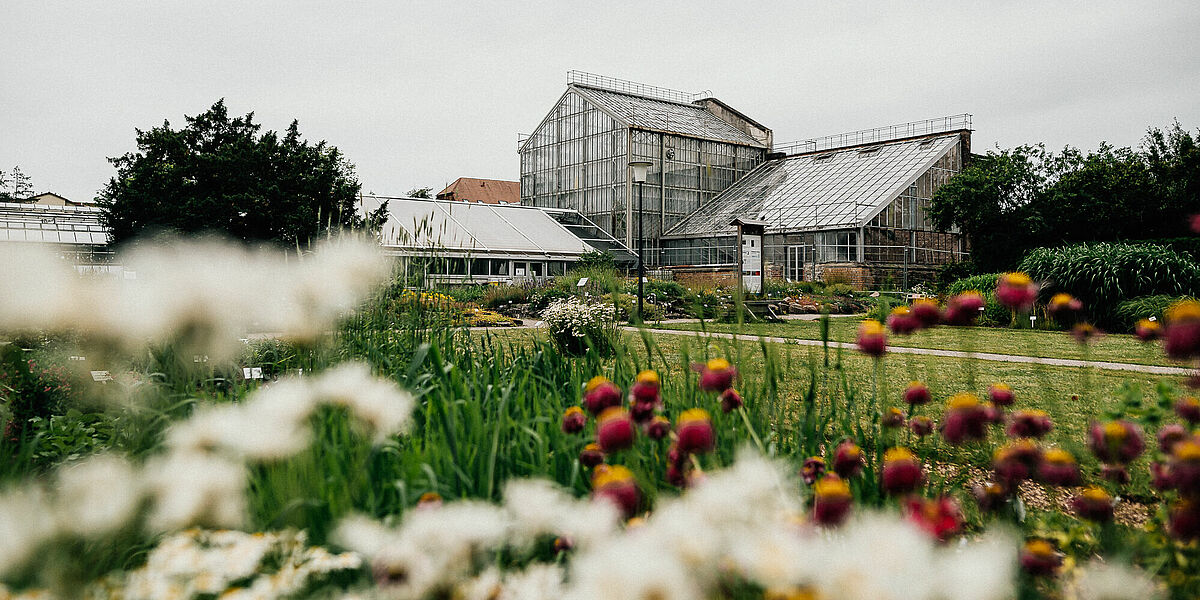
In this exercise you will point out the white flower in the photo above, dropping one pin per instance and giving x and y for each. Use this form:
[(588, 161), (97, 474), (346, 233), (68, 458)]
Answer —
[(24, 525), (196, 489), (380, 403), (536, 582), (1103, 581), (539, 507), (96, 495)]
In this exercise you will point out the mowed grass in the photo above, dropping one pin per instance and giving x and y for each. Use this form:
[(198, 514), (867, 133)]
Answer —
[(1025, 342), (1073, 397)]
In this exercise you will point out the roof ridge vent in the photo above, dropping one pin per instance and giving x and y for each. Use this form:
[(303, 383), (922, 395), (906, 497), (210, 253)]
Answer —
[(625, 86), (878, 134)]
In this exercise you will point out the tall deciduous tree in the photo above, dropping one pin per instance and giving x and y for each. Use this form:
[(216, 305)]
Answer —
[(220, 174)]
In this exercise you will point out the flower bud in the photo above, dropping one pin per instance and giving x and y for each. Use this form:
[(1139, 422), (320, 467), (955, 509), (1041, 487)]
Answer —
[(1117, 441), (1169, 435), (1184, 519), (614, 430), (831, 501), (901, 471), (966, 420), (1016, 461), (847, 459), (1147, 330), (1117, 474), (616, 484), (902, 322), (1084, 332), (920, 425), (1093, 504), (730, 400), (1188, 409), (872, 341), (1185, 466), (1064, 308), (695, 432), (1040, 559), (658, 428), (599, 394), (573, 420), (892, 418), (591, 455), (1001, 394), (964, 308), (916, 394), (645, 387), (1058, 467), (926, 312), (1029, 424), (1183, 330), (429, 500), (813, 469), (990, 497)]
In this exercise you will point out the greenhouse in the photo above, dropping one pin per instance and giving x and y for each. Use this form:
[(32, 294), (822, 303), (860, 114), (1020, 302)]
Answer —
[(851, 207), (76, 232), (578, 156), (472, 242)]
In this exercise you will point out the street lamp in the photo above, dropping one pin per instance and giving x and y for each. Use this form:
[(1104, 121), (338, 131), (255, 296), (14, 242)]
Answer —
[(639, 177)]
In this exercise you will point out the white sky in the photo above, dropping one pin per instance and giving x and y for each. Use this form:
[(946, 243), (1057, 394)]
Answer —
[(420, 93)]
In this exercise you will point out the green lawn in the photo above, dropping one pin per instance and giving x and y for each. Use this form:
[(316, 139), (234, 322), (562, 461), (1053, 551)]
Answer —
[(1027, 342)]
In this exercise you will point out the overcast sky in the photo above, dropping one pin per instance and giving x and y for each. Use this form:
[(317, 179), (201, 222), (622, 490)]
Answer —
[(418, 94)]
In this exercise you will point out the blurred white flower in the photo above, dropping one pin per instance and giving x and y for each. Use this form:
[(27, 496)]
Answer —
[(24, 525), (380, 403), (96, 495), (1098, 580), (195, 489), (539, 508), (536, 582)]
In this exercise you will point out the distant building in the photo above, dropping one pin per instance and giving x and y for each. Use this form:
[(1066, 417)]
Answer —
[(74, 230), (578, 156), (476, 242), (52, 199), (487, 191)]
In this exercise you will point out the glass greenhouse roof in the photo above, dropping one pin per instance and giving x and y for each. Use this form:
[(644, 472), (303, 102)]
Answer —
[(661, 115), (24, 222), (473, 227), (840, 188)]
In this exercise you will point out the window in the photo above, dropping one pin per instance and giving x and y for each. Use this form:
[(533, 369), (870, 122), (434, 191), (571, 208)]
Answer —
[(837, 246)]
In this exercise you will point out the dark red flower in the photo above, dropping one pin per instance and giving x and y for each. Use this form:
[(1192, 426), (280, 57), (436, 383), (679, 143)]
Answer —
[(591, 455), (901, 471), (1185, 466), (1117, 474), (1160, 477), (917, 393), (730, 400), (1001, 394), (1147, 330), (1117, 441), (939, 517), (1029, 423), (1016, 291), (926, 312), (1183, 330), (920, 425), (716, 375), (1016, 461), (990, 497), (964, 308), (892, 418), (1064, 308), (847, 459), (1093, 504), (599, 394), (902, 322), (573, 420), (1188, 409), (813, 469), (658, 428), (1039, 558), (872, 341), (966, 420), (614, 430), (615, 483), (831, 501), (1171, 434), (645, 387), (1058, 467), (694, 431), (1184, 519)]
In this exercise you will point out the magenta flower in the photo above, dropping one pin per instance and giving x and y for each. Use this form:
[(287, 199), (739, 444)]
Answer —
[(872, 340), (1016, 291), (614, 430)]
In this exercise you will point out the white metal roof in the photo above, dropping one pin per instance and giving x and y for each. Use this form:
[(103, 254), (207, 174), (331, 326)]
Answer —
[(471, 227), (827, 190), (661, 115), (26, 222)]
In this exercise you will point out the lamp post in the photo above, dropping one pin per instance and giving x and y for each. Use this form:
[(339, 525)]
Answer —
[(640, 167)]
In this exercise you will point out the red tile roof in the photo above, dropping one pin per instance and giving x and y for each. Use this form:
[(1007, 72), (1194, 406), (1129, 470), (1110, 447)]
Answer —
[(488, 191)]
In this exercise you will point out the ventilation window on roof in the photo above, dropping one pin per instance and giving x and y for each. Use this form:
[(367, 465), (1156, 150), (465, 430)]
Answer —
[(926, 143), (868, 150), (823, 157)]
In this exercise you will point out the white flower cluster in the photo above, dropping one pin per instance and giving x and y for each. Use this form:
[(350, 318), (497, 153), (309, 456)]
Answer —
[(741, 523), (206, 291), (576, 318), (230, 564), (201, 479)]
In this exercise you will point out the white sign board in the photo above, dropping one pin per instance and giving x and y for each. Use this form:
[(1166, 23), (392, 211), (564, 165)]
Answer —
[(582, 282), (101, 376), (752, 263), (252, 372)]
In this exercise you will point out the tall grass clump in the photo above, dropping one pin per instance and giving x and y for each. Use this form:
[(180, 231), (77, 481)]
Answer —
[(994, 314), (1105, 274)]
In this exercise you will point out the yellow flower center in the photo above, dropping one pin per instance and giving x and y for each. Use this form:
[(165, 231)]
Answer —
[(1115, 430), (870, 327), (831, 486), (1186, 310), (1096, 494), (596, 382), (1039, 548), (900, 311), (1001, 387), (961, 401), (1060, 299), (574, 410), (693, 414), (592, 447), (1059, 456), (1017, 279), (1187, 450), (613, 474), (647, 376), (717, 364), (915, 384), (817, 459), (1149, 325), (612, 412), (897, 454)]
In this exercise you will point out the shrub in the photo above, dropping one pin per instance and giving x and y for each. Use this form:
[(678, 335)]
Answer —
[(576, 327), (465, 293), (1103, 275), (542, 298), (596, 259), (706, 304), (500, 295), (994, 313), (664, 291), (600, 280), (1129, 312), (838, 289), (626, 306), (951, 272)]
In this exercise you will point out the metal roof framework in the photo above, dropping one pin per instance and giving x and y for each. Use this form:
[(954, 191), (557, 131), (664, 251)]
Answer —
[(74, 225), (843, 188)]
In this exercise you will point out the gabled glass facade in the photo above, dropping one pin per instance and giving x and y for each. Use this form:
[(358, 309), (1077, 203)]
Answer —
[(578, 158)]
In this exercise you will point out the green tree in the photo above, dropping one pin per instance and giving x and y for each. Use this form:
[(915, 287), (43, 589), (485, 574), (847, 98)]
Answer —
[(5, 196), (220, 174), (425, 192)]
